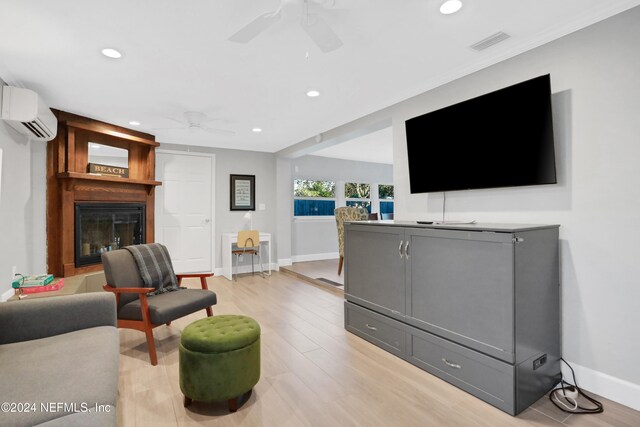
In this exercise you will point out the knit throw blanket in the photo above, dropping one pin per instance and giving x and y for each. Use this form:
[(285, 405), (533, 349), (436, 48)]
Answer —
[(155, 267)]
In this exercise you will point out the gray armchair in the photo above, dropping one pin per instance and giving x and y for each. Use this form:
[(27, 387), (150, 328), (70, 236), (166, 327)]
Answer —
[(137, 310)]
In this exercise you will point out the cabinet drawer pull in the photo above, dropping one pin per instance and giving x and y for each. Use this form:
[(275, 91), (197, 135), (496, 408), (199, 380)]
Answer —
[(451, 365), (400, 248), (373, 328)]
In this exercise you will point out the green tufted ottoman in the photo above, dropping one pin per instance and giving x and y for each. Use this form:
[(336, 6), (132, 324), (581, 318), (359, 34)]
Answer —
[(219, 359)]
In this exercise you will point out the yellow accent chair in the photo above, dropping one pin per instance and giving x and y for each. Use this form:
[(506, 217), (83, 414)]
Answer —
[(248, 244)]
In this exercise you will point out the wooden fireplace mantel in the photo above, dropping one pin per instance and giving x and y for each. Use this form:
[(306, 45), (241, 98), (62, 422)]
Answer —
[(68, 182), (91, 177)]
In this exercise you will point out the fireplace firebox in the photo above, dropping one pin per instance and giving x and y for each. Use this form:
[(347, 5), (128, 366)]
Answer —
[(102, 227)]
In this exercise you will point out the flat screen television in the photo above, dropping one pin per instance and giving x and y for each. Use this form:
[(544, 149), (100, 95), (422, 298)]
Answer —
[(501, 139)]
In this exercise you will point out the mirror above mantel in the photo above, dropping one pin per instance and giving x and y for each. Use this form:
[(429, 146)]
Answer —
[(107, 155)]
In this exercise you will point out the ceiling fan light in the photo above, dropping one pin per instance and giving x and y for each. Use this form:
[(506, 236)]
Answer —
[(313, 93), (111, 53), (450, 6)]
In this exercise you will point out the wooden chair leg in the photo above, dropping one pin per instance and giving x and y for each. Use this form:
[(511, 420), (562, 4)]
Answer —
[(152, 346), (209, 311), (187, 401), (340, 265), (203, 283), (168, 323), (148, 329), (233, 404)]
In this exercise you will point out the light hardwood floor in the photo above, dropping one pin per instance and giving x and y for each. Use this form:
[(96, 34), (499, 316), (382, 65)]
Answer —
[(325, 269), (314, 373)]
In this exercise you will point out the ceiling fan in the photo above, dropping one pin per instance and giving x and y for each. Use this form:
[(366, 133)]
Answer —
[(315, 27), (194, 120)]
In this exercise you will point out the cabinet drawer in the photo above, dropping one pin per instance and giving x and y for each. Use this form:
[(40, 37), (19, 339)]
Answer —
[(382, 331), (483, 376)]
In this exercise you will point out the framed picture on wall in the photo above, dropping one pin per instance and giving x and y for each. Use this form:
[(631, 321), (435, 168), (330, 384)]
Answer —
[(243, 192)]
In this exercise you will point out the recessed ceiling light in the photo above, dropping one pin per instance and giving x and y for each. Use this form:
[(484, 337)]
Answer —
[(111, 53), (257, 130), (134, 123), (450, 6), (313, 93)]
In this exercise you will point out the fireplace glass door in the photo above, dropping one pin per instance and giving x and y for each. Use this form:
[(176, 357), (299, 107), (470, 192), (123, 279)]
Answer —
[(102, 227)]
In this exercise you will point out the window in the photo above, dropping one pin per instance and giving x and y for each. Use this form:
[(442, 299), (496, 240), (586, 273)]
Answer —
[(358, 194), (313, 198), (385, 195), (385, 191)]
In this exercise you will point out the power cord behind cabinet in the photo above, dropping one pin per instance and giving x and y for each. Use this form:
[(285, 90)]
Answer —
[(565, 397)]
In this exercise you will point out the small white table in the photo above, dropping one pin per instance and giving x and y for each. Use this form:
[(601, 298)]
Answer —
[(228, 239)]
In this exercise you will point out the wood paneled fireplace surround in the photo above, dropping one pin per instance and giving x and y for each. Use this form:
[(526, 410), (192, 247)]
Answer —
[(70, 186)]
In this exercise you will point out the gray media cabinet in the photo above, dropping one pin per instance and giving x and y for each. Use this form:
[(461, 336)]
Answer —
[(476, 305)]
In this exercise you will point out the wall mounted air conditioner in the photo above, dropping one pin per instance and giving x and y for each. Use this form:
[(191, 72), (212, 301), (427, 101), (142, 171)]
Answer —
[(25, 111)]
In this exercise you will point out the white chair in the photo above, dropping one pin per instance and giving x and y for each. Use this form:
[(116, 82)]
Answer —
[(248, 244)]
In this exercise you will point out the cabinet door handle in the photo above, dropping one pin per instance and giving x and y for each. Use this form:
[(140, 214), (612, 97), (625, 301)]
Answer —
[(400, 249), (450, 364), (406, 250), (373, 328)]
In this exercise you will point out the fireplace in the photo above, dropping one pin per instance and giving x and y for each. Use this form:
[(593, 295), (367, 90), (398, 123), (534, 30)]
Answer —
[(102, 227)]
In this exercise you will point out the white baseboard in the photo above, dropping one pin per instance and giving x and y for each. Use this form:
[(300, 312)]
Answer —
[(613, 388), (8, 294), (315, 257), (284, 262)]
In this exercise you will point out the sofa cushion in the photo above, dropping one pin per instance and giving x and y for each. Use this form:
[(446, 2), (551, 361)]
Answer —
[(75, 368), (170, 306), (31, 319)]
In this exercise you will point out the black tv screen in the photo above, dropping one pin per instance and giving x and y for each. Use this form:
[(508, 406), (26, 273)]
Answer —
[(501, 139)]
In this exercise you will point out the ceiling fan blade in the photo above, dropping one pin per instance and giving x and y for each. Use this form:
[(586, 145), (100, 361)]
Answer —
[(321, 33), (219, 131), (168, 128), (182, 122), (255, 27)]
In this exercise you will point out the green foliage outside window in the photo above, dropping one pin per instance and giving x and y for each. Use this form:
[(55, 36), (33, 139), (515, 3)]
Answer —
[(385, 191), (366, 205), (308, 188), (354, 190)]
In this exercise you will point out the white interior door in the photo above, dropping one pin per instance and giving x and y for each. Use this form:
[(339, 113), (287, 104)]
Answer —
[(184, 209)]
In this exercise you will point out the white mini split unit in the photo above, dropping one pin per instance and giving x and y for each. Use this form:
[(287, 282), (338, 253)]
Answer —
[(25, 111)]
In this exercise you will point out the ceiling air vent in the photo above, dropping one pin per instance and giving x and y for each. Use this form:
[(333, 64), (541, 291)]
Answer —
[(490, 41)]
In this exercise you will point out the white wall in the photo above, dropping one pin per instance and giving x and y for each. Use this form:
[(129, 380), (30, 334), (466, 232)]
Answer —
[(22, 206), (263, 166), (596, 105), (596, 101), (313, 239), (284, 210)]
